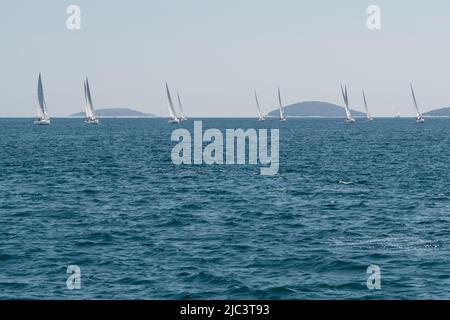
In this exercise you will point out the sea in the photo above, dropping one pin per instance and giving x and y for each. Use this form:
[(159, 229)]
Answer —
[(108, 199)]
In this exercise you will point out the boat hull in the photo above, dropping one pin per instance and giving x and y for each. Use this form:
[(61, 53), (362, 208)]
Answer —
[(91, 121), (44, 122), (420, 120), (174, 121), (350, 120)]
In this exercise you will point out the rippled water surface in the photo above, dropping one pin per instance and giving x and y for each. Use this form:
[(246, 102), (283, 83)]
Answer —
[(108, 199)]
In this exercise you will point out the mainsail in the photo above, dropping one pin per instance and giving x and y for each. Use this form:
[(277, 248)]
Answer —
[(347, 109), (180, 106), (258, 106), (418, 114), (172, 113), (366, 107), (89, 107), (42, 107), (281, 105)]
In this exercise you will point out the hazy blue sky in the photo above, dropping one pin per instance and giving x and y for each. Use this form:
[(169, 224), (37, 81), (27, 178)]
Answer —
[(217, 52)]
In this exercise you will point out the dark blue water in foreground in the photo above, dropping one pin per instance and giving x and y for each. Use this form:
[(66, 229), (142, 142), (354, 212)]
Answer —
[(108, 199)]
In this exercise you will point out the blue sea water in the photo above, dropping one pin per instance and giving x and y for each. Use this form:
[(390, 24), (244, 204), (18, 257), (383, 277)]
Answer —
[(108, 199)]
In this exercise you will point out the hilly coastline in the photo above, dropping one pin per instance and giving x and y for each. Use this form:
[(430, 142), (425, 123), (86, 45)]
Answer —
[(442, 112), (314, 109), (116, 113)]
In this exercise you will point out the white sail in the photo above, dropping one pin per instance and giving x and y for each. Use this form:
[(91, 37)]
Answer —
[(180, 106), (366, 107), (260, 116), (418, 114), (89, 107), (42, 107), (86, 111), (398, 113), (282, 117), (173, 115), (348, 113)]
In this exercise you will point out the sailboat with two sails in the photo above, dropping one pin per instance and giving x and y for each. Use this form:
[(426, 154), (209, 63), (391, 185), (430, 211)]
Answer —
[(419, 116), (173, 116), (260, 116), (182, 117), (348, 118), (42, 113), (369, 117), (89, 107)]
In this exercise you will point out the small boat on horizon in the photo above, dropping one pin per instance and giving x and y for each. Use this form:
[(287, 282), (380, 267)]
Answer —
[(173, 116), (260, 117), (369, 117), (398, 113), (88, 107), (419, 116), (282, 117), (42, 113), (348, 118)]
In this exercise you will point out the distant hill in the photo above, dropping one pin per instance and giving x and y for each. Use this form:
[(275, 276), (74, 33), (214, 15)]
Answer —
[(315, 109), (116, 112), (442, 112)]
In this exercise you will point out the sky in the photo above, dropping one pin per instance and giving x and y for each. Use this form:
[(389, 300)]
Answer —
[(217, 52)]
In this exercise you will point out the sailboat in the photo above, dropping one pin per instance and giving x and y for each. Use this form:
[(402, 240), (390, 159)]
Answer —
[(282, 117), (260, 117), (88, 107), (369, 117), (398, 113), (180, 106), (348, 118), (419, 116), (173, 117), (42, 114)]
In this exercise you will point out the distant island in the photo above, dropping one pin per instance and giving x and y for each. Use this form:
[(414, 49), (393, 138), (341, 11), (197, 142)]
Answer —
[(116, 113), (442, 112), (314, 109)]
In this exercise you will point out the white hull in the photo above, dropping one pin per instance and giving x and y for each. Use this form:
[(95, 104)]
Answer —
[(350, 120), (174, 120), (92, 121), (283, 119), (42, 122), (261, 119), (420, 120), (370, 119)]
